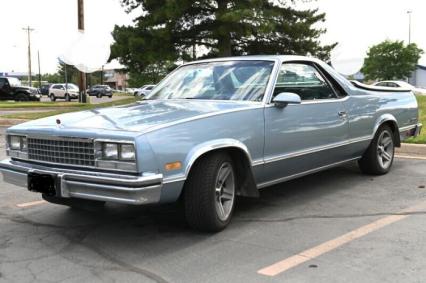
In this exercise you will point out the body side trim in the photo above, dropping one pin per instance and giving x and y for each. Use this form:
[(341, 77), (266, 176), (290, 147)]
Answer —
[(297, 175), (315, 149)]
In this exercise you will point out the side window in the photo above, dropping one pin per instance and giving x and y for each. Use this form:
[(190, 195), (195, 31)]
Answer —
[(2, 82), (304, 80)]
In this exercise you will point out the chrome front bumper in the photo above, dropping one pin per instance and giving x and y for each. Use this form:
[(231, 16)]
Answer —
[(108, 187)]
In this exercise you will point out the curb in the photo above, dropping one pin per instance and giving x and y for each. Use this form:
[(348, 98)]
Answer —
[(411, 150)]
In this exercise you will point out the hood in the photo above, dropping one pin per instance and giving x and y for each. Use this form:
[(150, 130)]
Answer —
[(26, 88), (138, 117)]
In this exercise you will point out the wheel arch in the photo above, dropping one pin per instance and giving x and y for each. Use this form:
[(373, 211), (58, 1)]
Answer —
[(388, 119), (240, 156)]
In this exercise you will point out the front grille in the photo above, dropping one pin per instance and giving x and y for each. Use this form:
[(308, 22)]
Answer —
[(67, 151)]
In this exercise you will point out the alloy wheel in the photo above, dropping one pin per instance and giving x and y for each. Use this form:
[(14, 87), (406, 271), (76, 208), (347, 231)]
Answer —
[(385, 149), (225, 191)]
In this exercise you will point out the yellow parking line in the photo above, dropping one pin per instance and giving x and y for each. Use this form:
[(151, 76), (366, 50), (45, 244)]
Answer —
[(328, 246), (28, 204)]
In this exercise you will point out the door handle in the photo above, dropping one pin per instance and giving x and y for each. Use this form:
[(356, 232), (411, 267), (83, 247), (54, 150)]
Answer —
[(342, 114)]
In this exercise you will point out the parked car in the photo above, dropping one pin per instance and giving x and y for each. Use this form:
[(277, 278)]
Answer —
[(44, 89), (210, 131), (401, 84), (11, 89), (100, 91), (144, 90), (63, 91)]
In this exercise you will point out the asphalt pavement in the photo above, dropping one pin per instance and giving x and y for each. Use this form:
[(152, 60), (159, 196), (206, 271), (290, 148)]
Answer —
[(333, 226)]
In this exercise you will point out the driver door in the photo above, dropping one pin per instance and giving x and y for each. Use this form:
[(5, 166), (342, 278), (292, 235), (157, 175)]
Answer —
[(4, 89), (300, 138)]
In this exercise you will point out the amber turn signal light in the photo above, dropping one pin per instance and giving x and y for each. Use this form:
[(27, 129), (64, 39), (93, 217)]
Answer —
[(173, 166)]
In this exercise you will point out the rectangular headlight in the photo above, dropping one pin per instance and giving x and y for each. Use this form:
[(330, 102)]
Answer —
[(127, 152), (17, 143), (110, 151)]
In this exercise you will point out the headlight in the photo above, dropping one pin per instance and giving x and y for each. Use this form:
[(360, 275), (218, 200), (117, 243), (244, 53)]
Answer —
[(15, 143), (118, 152), (110, 151), (127, 152), (18, 143)]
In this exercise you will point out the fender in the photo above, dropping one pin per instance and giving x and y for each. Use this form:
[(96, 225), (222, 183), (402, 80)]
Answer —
[(203, 148), (388, 118)]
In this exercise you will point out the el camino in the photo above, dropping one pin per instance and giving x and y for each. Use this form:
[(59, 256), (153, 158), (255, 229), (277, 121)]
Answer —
[(210, 131)]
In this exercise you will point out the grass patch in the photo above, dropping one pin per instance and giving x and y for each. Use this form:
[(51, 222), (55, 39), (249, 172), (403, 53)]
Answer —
[(422, 117), (80, 107), (36, 104)]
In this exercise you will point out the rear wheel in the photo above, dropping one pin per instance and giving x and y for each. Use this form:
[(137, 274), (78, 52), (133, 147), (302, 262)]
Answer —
[(209, 194), (378, 158), (52, 97)]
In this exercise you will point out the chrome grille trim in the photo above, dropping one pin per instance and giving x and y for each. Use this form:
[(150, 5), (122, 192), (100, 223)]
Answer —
[(63, 150)]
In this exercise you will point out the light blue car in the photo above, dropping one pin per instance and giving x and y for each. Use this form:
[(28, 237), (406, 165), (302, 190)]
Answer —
[(210, 131)]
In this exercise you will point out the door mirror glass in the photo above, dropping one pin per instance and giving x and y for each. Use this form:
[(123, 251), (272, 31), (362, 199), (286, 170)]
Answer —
[(285, 98)]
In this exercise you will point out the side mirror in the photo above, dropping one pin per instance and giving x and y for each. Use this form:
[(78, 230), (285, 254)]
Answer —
[(285, 98)]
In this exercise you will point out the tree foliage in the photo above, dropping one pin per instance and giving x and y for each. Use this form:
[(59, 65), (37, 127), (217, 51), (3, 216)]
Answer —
[(391, 60), (168, 30)]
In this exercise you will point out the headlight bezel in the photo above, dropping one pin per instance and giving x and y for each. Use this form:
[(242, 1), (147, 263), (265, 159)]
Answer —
[(17, 151), (116, 161), (21, 140)]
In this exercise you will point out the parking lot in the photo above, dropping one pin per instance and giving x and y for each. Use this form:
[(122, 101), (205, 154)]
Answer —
[(334, 226)]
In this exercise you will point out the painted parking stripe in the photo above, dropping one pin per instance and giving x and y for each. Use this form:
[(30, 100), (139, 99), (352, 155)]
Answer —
[(410, 157), (33, 203), (328, 246)]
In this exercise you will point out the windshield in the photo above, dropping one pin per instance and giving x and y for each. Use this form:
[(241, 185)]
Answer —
[(14, 82), (231, 80)]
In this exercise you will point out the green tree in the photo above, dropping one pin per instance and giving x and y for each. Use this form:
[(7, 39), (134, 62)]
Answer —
[(168, 30), (391, 60)]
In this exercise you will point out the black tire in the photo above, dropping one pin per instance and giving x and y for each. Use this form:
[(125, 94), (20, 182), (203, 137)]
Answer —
[(201, 197), (79, 204), (52, 97), (378, 159), (67, 97), (21, 97)]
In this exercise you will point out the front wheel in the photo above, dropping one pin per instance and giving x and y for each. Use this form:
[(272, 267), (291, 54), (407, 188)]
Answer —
[(21, 97), (52, 97), (209, 193), (378, 158)]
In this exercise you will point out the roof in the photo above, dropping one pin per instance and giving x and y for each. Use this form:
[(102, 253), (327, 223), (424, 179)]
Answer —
[(421, 67), (281, 58)]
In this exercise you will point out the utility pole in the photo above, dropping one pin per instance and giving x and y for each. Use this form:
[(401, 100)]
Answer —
[(81, 75), (409, 26), (29, 30), (39, 69)]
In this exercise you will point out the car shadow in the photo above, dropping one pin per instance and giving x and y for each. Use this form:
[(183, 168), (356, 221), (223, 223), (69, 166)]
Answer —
[(170, 218)]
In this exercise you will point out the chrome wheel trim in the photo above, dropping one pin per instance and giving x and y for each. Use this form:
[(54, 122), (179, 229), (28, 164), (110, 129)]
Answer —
[(385, 149), (224, 191)]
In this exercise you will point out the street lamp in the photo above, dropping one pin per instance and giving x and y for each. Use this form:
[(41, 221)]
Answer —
[(409, 12)]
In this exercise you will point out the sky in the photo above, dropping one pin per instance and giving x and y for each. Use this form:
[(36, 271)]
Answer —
[(355, 25)]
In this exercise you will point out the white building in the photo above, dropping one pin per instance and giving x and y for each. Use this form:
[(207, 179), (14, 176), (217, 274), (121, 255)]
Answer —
[(418, 77)]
